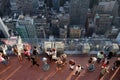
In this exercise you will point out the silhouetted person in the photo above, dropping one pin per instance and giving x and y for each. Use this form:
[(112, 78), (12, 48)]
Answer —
[(110, 55), (34, 62)]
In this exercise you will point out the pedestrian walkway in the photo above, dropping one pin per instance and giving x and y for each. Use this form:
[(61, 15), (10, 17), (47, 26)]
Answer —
[(23, 71)]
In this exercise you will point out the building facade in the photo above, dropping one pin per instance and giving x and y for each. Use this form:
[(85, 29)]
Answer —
[(3, 30), (56, 4), (25, 27), (25, 6), (78, 12), (75, 31), (105, 14), (41, 25)]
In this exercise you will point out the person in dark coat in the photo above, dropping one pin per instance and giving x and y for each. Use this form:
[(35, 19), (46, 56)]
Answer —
[(34, 62), (116, 64), (110, 55), (35, 51)]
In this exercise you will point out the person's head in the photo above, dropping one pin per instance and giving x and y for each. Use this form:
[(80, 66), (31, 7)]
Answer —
[(101, 52), (35, 47), (91, 58), (25, 49), (78, 65), (53, 49)]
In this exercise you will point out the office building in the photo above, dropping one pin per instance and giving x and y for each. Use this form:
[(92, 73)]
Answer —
[(3, 30), (25, 27), (56, 4), (41, 26), (25, 6), (78, 12), (75, 31)]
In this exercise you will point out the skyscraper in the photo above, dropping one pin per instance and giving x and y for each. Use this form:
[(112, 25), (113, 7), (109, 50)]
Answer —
[(25, 27), (78, 12), (26, 6), (3, 30), (56, 4)]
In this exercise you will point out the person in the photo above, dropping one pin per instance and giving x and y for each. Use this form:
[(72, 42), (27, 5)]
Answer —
[(105, 62), (49, 54), (19, 54), (17, 51), (71, 64), (92, 60), (34, 62), (103, 71), (77, 70), (63, 57), (110, 55), (100, 56), (35, 52), (116, 64), (54, 54), (27, 54), (4, 48), (2, 60), (59, 64)]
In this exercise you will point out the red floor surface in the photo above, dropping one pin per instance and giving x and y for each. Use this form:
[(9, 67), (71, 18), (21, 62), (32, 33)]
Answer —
[(23, 71)]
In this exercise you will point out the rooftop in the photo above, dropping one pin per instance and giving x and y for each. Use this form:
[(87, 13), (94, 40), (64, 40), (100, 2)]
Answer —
[(23, 71)]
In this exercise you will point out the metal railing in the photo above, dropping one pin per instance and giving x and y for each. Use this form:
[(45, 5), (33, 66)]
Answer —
[(75, 44)]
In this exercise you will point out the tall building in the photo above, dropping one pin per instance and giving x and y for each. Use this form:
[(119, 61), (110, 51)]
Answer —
[(25, 27), (56, 4), (48, 3), (3, 30), (4, 7), (108, 7), (106, 14), (103, 23), (40, 26), (78, 12), (26, 6)]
